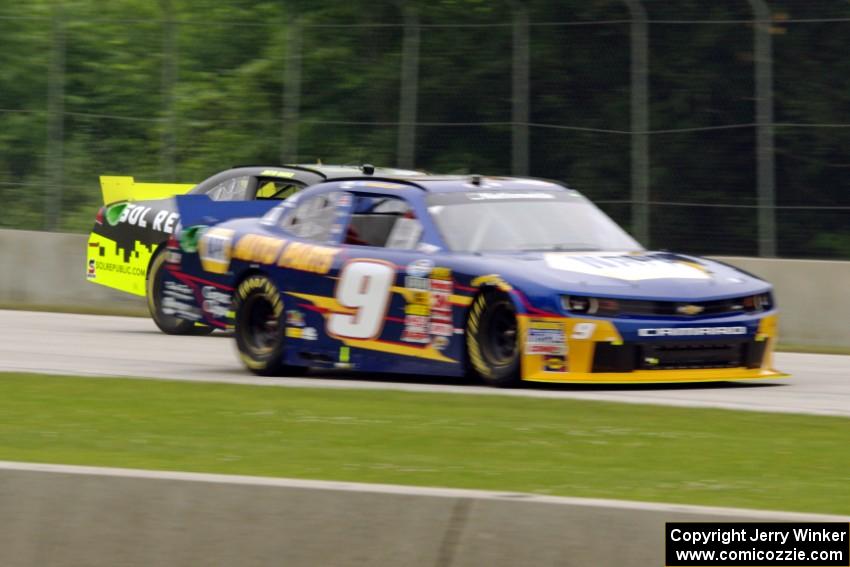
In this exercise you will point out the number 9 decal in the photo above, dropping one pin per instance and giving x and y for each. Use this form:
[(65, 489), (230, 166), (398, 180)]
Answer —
[(365, 287), (583, 331)]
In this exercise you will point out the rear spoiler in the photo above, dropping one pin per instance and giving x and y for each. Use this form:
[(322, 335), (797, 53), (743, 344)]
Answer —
[(117, 188), (200, 209)]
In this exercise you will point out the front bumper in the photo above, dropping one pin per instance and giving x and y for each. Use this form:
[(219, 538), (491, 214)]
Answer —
[(577, 350)]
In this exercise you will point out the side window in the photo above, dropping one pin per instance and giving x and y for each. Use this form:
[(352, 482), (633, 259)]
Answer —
[(318, 218), (386, 222), (276, 188), (233, 189)]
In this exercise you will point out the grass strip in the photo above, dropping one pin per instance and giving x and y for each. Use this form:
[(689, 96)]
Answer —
[(558, 447)]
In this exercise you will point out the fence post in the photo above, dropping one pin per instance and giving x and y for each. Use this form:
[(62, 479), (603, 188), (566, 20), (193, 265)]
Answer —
[(640, 121), (409, 90), (765, 172), (55, 121), (168, 140), (291, 94), (520, 91)]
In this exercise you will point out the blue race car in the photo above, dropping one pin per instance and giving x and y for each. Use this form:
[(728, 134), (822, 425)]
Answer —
[(510, 279)]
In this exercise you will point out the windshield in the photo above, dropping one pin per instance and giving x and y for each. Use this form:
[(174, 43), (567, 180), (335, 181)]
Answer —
[(513, 222)]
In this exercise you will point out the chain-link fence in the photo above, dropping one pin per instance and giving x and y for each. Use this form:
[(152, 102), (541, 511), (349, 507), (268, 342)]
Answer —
[(715, 128)]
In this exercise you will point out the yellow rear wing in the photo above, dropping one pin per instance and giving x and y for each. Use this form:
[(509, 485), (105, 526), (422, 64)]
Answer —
[(122, 188)]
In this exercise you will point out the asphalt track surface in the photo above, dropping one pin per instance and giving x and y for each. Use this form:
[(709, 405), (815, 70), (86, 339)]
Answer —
[(89, 345)]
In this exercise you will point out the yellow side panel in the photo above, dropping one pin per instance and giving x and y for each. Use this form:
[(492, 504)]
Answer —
[(124, 188), (110, 269)]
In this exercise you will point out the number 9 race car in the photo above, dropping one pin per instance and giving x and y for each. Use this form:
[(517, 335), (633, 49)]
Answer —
[(125, 247), (510, 279)]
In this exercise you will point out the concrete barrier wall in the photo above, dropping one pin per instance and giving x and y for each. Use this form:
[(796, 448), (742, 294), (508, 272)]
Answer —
[(64, 516), (47, 270), (813, 298)]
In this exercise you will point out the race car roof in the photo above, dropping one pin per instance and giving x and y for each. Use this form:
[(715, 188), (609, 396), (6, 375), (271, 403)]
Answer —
[(329, 172), (461, 183)]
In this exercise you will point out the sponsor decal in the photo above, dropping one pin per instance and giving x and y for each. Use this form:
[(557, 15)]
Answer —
[(214, 249), (422, 309), (501, 195), (690, 309), (344, 354), (441, 307), (413, 282), (427, 248), (555, 364), (378, 184), (277, 173), (258, 249), (418, 309), (491, 279), (303, 333), (252, 283), (405, 234), (91, 272), (420, 268), (442, 274), (294, 318), (171, 306), (117, 268), (625, 266), (410, 335), (178, 299), (546, 338), (428, 313), (690, 331), (441, 329), (415, 329), (177, 290), (307, 257), (440, 343), (216, 303), (139, 215), (165, 221)]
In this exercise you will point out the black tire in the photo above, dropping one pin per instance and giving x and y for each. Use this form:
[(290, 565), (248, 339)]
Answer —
[(259, 327), (492, 339), (168, 324)]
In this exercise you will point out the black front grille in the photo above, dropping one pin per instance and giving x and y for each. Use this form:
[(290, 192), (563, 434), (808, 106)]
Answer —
[(672, 355), (611, 307)]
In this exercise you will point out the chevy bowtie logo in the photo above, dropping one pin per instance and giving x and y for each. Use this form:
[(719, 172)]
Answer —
[(689, 309)]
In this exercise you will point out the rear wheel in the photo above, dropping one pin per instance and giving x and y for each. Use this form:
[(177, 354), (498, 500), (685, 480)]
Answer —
[(492, 339), (168, 324), (259, 328)]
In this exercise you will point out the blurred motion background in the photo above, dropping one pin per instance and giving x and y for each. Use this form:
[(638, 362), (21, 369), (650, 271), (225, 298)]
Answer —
[(708, 127)]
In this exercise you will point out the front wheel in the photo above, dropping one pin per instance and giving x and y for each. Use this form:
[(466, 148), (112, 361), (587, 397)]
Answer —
[(259, 328), (168, 324), (492, 339)]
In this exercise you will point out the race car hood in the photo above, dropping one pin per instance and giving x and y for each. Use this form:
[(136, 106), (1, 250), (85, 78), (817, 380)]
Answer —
[(639, 275)]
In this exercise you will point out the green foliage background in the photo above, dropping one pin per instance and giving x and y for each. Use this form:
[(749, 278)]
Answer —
[(230, 57)]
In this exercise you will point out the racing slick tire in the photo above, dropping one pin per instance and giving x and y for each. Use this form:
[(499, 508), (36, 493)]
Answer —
[(492, 339), (259, 328), (168, 324)]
